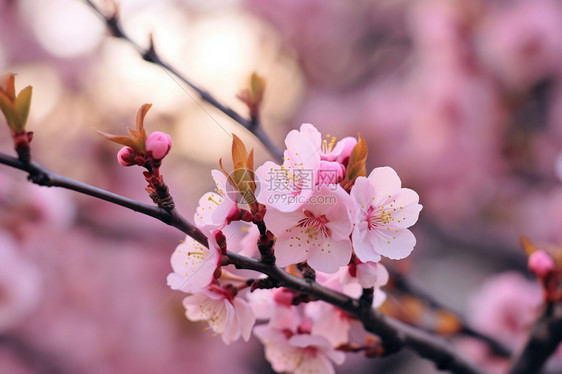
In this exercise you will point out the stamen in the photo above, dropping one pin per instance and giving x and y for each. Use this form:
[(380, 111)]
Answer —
[(211, 199)]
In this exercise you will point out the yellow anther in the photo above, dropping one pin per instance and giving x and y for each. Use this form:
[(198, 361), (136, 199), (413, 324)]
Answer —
[(211, 199)]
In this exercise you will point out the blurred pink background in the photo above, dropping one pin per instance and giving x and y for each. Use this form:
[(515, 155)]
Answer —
[(462, 99)]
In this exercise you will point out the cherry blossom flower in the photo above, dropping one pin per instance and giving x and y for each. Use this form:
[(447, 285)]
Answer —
[(287, 187), (368, 274), (290, 346), (194, 266), (329, 149), (385, 212), (317, 232), (505, 307), (329, 321), (215, 209), (227, 314)]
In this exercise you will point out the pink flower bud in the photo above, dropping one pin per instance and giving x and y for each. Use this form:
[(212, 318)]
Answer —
[(541, 264), (158, 145), (330, 172), (126, 156)]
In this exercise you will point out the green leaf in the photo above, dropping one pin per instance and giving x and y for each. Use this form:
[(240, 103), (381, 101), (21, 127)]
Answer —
[(22, 106), (7, 107)]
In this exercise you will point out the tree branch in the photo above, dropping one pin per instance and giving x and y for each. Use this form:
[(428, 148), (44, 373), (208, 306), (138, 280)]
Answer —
[(150, 55), (395, 335), (402, 283), (543, 340)]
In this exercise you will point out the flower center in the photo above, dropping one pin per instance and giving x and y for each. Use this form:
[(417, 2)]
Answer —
[(327, 147), (316, 224), (378, 217)]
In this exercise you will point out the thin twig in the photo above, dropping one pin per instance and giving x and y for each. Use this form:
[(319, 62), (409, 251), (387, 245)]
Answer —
[(150, 55), (394, 334), (403, 284), (543, 340)]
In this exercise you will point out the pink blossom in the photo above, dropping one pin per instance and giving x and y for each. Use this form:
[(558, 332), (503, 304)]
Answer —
[(506, 307), (541, 263), (296, 350), (158, 144), (215, 209), (287, 187), (343, 282), (126, 156), (371, 274), (328, 148), (317, 232), (329, 322), (385, 212), (228, 315), (194, 266)]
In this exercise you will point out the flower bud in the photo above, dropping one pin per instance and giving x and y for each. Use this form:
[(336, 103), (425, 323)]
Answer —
[(330, 172), (541, 264), (158, 145), (126, 156)]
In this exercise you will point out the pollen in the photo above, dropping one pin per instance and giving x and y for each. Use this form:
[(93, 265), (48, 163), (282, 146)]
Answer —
[(213, 200)]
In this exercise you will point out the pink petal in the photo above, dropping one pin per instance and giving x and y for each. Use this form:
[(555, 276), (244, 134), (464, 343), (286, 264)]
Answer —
[(245, 316), (386, 183), (392, 244), (363, 192), (330, 255), (193, 265), (362, 244), (290, 250)]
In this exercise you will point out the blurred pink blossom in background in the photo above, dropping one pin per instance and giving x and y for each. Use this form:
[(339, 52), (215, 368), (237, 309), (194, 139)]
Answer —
[(462, 99)]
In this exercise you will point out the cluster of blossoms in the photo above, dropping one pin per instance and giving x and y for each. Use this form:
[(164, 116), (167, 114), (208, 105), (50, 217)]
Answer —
[(319, 216)]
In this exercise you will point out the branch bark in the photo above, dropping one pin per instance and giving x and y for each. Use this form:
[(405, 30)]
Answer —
[(394, 334), (544, 338)]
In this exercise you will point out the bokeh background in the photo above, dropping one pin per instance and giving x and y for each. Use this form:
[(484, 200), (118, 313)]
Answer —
[(462, 98)]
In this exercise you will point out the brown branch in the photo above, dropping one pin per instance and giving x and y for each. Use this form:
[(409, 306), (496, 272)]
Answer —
[(544, 338), (403, 284), (149, 54), (395, 335)]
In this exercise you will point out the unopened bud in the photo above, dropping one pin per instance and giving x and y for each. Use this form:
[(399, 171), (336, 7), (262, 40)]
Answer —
[(330, 172), (158, 145), (541, 263), (126, 156)]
